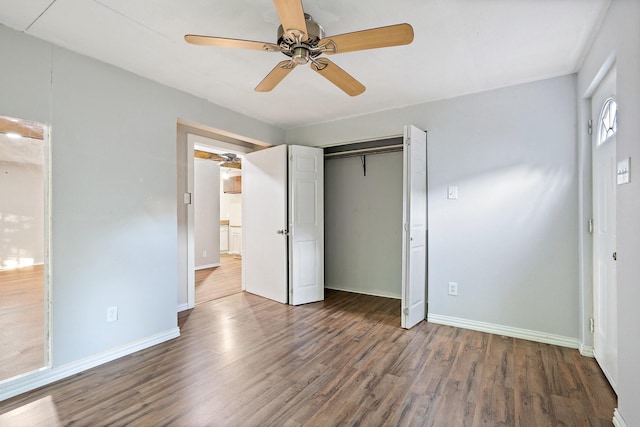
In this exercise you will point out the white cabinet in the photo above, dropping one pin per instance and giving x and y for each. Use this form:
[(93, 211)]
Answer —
[(224, 239), (235, 240)]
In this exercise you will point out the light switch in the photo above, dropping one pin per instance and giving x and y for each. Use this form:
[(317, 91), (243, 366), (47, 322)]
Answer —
[(624, 171), (452, 192)]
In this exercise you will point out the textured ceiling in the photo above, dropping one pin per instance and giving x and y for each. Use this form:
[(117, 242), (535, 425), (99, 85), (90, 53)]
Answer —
[(460, 47)]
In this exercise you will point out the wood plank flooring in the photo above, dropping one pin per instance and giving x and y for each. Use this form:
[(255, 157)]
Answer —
[(21, 320), (246, 361), (218, 282)]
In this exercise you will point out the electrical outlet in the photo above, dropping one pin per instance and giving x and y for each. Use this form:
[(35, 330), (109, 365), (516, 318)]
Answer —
[(204, 254), (453, 288), (112, 314)]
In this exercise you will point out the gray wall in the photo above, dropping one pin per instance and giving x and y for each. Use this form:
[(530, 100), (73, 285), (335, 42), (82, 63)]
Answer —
[(114, 204), (510, 240), (206, 215), (363, 225), (619, 41)]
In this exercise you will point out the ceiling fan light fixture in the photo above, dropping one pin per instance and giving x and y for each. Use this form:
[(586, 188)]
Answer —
[(300, 55), (303, 40)]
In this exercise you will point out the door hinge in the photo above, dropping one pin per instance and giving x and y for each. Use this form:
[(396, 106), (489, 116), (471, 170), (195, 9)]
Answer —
[(590, 224), (405, 311), (590, 127), (592, 323), (406, 227), (187, 198)]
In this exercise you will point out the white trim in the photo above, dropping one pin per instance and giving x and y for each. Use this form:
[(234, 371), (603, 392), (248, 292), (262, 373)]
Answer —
[(586, 350), (618, 421), (183, 307), (377, 293), (191, 247), (202, 267), (15, 386), (508, 331), (606, 373)]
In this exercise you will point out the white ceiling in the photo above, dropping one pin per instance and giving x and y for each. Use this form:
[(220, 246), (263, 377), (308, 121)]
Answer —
[(460, 47)]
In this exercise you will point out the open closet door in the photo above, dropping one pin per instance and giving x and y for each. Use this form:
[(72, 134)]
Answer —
[(306, 224), (264, 223), (414, 236)]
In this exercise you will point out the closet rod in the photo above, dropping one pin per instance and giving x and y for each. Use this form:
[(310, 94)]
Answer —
[(364, 151)]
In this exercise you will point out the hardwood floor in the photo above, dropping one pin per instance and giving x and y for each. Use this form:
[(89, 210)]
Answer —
[(21, 320), (246, 361), (218, 282)]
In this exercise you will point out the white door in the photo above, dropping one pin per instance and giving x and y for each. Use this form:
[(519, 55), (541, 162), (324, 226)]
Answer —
[(306, 224), (264, 223), (605, 340), (414, 237)]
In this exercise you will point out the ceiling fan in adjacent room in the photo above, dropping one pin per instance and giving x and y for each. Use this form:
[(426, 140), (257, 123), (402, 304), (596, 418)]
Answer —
[(225, 160), (303, 41)]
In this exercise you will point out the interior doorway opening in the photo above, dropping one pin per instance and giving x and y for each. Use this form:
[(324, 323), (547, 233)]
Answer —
[(207, 263), (217, 201), (24, 248)]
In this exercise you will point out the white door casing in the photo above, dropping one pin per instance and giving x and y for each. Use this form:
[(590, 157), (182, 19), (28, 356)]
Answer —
[(414, 236), (264, 222), (306, 224), (604, 237)]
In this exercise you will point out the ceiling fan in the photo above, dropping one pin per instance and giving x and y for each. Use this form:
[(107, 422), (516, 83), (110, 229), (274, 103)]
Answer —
[(303, 41)]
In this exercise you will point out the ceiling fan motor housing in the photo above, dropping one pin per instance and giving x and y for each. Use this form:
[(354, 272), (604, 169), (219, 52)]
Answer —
[(300, 53)]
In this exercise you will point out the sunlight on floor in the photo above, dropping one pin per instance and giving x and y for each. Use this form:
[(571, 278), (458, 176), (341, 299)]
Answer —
[(42, 412)]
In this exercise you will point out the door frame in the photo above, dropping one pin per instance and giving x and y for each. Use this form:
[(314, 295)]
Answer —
[(185, 286), (585, 207)]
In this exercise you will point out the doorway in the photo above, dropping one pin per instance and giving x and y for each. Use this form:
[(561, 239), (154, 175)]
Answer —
[(376, 232), (189, 135), (24, 249), (217, 202), (604, 116)]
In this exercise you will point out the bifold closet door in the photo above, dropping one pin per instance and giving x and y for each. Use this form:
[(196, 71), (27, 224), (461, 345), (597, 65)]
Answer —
[(414, 237)]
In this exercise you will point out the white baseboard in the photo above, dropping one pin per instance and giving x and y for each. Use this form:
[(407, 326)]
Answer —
[(618, 421), (183, 307), (586, 350), (508, 331), (372, 293), (27, 382), (202, 267)]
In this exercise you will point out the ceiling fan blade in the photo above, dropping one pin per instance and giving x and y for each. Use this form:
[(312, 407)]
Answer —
[(276, 75), (393, 35), (292, 17), (338, 77), (233, 43)]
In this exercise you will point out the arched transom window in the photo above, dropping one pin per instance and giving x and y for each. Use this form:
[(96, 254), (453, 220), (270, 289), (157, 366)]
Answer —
[(608, 124)]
